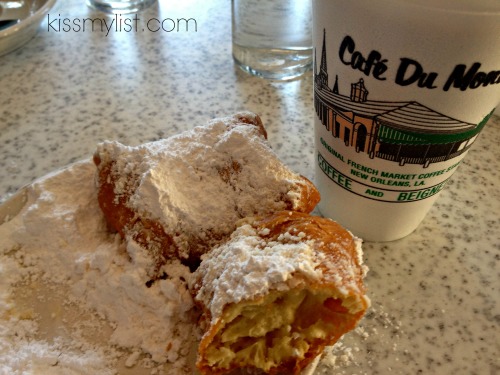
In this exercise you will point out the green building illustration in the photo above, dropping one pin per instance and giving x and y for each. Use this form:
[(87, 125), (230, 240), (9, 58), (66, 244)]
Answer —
[(405, 132)]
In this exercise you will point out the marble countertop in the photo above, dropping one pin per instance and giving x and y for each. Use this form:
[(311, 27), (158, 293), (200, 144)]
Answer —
[(434, 293)]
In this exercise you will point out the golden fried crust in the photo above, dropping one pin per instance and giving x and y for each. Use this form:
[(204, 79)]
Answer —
[(245, 118), (324, 232), (309, 198), (120, 217), (341, 261)]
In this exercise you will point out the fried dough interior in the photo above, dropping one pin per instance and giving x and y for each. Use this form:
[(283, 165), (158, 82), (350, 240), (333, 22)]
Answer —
[(279, 328)]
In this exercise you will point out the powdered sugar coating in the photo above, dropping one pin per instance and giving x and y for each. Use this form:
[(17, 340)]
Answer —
[(248, 267), (59, 251), (200, 182)]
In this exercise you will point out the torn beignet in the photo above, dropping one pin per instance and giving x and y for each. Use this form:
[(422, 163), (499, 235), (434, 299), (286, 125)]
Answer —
[(280, 290)]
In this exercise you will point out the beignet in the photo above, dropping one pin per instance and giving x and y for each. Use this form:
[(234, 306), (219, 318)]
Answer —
[(281, 289), (180, 196)]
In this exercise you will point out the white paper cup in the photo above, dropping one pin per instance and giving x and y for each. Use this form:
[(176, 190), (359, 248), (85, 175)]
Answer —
[(401, 91)]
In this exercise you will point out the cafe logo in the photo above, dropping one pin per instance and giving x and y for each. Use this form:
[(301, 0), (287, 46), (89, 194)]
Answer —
[(405, 132)]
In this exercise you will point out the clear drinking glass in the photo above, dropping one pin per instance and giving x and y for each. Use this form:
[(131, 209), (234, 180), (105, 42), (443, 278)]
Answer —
[(120, 6), (273, 38)]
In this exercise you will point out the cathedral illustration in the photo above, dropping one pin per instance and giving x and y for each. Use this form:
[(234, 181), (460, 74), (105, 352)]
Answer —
[(402, 132)]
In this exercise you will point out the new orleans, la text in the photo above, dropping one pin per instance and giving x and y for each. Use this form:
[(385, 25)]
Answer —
[(119, 24)]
